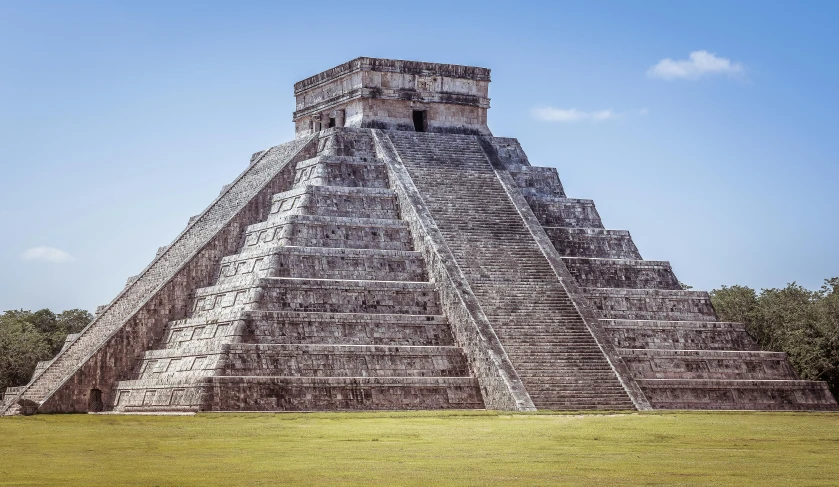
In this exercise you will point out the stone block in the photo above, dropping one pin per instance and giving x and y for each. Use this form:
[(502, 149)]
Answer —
[(329, 231), (323, 263), (564, 212), (622, 273), (775, 395), (679, 335), (593, 242), (707, 364), (342, 393), (651, 304), (346, 328)]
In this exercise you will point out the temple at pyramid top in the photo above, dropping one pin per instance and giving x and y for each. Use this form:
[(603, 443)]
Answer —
[(395, 95)]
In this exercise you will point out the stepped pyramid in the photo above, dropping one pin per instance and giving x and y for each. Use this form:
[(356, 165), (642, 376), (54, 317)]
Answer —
[(396, 255)]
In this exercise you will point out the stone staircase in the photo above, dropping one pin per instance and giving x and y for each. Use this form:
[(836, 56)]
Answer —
[(545, 337), (325, 307), (675, 347)]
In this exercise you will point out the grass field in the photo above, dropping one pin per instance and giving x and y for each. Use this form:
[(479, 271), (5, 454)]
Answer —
[(456, 448)]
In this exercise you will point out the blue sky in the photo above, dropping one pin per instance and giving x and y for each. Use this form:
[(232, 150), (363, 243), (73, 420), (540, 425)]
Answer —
[(119, 121)]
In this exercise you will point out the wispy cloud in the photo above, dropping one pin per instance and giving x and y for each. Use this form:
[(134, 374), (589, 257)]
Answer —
[(46, 254), (571, 115), (698, 64)]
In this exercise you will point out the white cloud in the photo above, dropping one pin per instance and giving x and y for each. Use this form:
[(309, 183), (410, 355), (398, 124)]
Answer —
[(571, 115), (700, 63), (47, 254)]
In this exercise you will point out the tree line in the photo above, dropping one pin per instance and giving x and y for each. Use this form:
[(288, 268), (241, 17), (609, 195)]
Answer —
[(27, 337), (801, 322)]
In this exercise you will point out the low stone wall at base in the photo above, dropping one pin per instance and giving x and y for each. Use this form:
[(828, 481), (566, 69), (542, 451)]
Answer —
[(784, 395), (340, 394)]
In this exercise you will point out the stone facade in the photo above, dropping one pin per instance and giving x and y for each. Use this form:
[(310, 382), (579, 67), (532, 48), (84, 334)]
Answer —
[(404, 258), (395, 95)]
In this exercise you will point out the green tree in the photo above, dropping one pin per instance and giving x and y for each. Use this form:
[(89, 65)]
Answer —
[(735, 303), (27, 337), (22, 346), (795, 320)]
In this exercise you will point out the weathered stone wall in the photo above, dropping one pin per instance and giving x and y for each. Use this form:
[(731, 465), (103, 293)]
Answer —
[(679, 335), (552, 211), (398, 115), (324, 360), (707, 364), (383, 93), (778, 395), (651, 304), (319, 231), (340, 393), (324, 263), (337, 201), (346, 328), (593, 242), (622, 273)]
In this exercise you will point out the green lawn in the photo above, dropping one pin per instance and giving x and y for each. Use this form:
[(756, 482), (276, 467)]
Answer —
[(457, 448)]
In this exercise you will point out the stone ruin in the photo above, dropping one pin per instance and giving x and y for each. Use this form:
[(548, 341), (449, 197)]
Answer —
[(397, 255)]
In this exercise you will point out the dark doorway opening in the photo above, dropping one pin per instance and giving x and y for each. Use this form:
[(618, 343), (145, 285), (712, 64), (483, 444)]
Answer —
[(331, 122), (95, 404), (420, 121)]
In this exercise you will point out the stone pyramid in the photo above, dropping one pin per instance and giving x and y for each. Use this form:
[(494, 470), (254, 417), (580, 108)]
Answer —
[(396, 255)]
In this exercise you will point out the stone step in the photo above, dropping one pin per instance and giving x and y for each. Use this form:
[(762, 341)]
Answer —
[(208, 331), (318, 295), (8, 396), (796, 395), (182, 363), (622, 273), (574, 407), (534, 180), (247, 359), (592, 242), (556, 344), (581, 384), (536, 352), (351, 393), (323, 263), (307, 328), (71, 337), (360, 202), (707, 364), (346, 328), (169, 395), (651, 304), (341, 171), (561, 393), (230, 393), (543, 399), (564, 212), (345, 361), (329, 231), (679, 335)]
